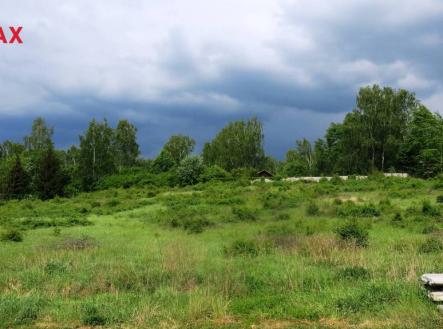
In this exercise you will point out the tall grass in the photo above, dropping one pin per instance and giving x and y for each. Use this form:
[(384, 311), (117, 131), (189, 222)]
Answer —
[(234, 255)]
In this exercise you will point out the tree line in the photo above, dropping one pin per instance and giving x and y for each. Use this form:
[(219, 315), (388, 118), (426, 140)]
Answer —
[(388, 130)]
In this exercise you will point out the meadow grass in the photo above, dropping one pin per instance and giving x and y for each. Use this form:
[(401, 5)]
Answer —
[(224, 255)]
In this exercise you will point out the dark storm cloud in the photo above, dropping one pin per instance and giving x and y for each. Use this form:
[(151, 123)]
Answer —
[(175, 67)]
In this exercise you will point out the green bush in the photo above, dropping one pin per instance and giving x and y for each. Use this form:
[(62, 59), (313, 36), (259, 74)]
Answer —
[(429, 210), (244, 214), (55, 267), (12, 235), (353, 232), (243, 247), (113, 203), (349, 209), (397, 217), (196, 225), (283, 216), (92, 316), (214, 173), (431, 245), (312, 209), (189, 170), (439, 199), (336, 180)]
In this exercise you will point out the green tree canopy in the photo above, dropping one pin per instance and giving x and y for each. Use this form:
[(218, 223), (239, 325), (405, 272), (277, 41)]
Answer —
[(179, 147), (125, 144), (239, 144), (96, 153), (51, 179), (41, 136), (17, 181)]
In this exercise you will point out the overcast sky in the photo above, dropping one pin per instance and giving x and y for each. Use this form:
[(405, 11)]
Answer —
[(191, 66)]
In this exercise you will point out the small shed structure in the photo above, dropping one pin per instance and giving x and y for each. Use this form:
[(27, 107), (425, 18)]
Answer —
[(264, 174)]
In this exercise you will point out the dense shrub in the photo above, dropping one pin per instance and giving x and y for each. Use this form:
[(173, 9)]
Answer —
[(214, 173), (12, 235), (55, 267), (439, 198), (283, 216), (243, 247), (92, 316), (113, 203), (438, 181), (353, 232), (278, 200), (397, 218), (189, 170), (349, 209), (244, 214), (431, 245), (429, 210), (196, 225), (312, 209)]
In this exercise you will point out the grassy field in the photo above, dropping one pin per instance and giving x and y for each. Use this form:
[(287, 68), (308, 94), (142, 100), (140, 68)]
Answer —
[(225, 255)]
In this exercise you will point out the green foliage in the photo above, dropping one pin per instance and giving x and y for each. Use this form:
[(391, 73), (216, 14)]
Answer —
[(248, 248), (113, 272), (125, 144), (19, 310), (51, 179), (96, 158), (55, 267), (300, 161), (397, 218), (92, 315), (17, 181), (429, 210), (214, 173), (350, 209), (295, 167), (422, 150), (312, 209), (40, 138), (244, 214), (192, 225), (439, 199), (163, 163), (431, 245), (178, 147), (239, 144), (353, 232), (12, 235), (189, 170), (371, 298), (354, 273)]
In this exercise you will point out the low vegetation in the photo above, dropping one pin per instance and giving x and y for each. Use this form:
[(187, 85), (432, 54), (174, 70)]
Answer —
[(224, 255)]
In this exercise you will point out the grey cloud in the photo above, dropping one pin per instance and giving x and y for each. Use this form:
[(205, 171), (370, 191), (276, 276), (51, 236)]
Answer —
[(191, 67)]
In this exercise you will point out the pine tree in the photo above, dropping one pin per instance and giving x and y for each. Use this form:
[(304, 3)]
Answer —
[(17, 184), (51, 179)]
